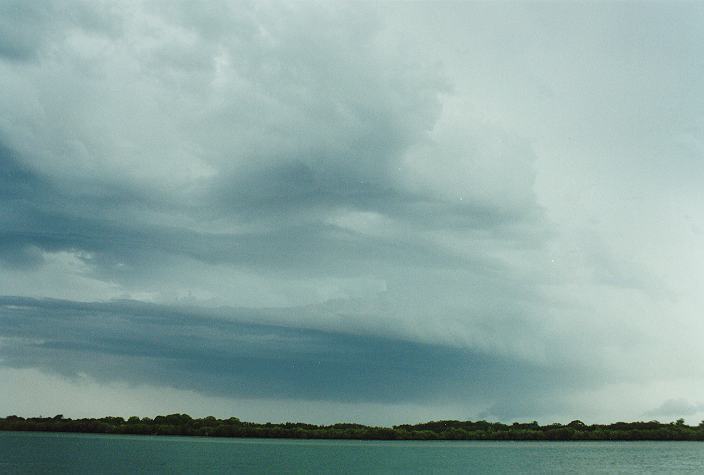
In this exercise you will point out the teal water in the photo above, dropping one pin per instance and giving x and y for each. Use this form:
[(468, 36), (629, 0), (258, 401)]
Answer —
[(87, 453)]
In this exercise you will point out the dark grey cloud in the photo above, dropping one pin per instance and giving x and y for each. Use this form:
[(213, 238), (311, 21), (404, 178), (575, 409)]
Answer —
[(40, 217), (227, 352), (313, 130), (17, 186), (247, 153), (330, 201), (17, 40), (288, 167), (28, 29), (17, 181)]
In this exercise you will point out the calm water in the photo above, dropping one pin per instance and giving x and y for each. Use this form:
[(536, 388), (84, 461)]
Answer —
[(83, 453)]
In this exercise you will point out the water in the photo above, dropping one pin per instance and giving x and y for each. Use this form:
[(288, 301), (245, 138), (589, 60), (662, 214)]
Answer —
[(88, 453)]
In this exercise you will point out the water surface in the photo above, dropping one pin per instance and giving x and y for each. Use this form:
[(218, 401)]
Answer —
[(36, 452)]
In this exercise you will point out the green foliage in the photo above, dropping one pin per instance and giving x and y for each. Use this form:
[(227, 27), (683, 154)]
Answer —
[(183, 424)]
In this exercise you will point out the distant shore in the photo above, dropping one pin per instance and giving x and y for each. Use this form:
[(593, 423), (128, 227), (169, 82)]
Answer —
[(183, 424)]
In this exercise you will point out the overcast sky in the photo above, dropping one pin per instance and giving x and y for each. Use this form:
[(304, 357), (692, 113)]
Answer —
[(380, 213)]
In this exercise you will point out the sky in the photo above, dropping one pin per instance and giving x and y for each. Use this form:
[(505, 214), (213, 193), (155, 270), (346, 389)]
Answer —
[(373, 212)]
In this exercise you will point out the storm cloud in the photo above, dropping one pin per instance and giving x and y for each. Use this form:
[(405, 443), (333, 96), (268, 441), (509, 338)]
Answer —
[(408, 205)]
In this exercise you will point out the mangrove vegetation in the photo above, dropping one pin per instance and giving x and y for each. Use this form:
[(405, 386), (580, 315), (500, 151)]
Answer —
[(183, 424)]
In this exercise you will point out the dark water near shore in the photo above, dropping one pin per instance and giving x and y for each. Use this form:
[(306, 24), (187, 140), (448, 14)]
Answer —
[(88, 453)]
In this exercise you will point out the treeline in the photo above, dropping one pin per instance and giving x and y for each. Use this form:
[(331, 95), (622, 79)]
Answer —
[(183, 424)]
